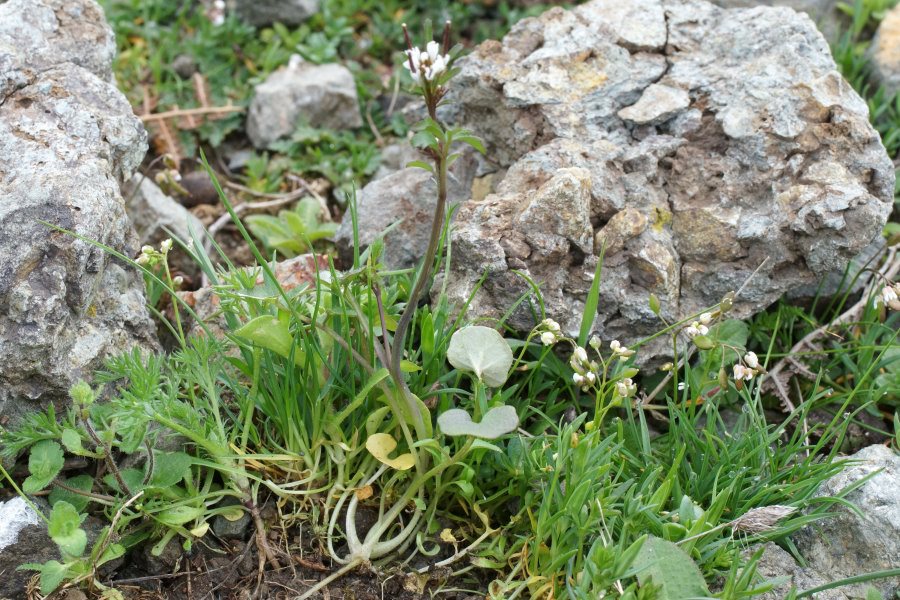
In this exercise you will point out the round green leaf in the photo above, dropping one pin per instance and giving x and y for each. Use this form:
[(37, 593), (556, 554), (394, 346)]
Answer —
[(483, 351), (496, 422)]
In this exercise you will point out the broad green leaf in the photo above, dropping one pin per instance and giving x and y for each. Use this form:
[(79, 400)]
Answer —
[(408, 366), (380, 445), (65, 529), (53, 573), (169, 468), (71, 439), (179, 515), (268, 332), (483, 351), (704, 342), (665, 564), (496, 422), (112, 552), (44, 463), (83, 483), (133, 478)]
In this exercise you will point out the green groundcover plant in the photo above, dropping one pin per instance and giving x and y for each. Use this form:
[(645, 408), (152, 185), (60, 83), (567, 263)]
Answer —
[(540, 465)]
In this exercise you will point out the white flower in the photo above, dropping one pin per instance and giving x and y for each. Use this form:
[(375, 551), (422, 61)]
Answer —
[(578, 379), (295, 61), (580, 355), (550, 325), (620, 350), (888, 295), (751, 360), (625, 388), (429, 63), (595, 342), (165, 246), (178, 281), (147, 250), (742, 372), (696, 328), (705, 318), (681, 385), (143, 259), (548, 338), (590, 378)]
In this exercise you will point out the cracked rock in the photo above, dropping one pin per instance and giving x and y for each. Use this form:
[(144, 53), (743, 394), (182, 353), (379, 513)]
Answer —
[(656, 105), (852, 542), (68, 139), (320, 96), (726, 145)]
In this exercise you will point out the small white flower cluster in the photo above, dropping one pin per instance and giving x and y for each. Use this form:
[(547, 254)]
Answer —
[(585, 374), (150, 256), (551, 333), (216, 13), (748, 368), (620, 351), (699, 327), (429, 63), (889, 296), (626, 388)]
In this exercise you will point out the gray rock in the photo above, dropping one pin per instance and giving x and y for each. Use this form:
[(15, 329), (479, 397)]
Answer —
[(395, 157), (777, 565), (321, 96), (852, 544), (23, 538), (656, 105), (884, 53), (68, 139), (758, 154), (265, 12), (228, 529), (824, 13), (405, 199), (157, 217)]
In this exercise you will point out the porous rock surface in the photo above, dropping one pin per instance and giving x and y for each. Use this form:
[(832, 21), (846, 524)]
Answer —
[(776, 564), (157, 217), (320, 96), (23, 538), (851, 543), (825, 13), (695, 144), (68, 139), (402, 204)]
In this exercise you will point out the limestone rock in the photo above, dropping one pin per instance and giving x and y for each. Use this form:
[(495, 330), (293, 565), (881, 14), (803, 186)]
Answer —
[(157, 217), (729, 143), (656, 105), (265, 12), (884, 53), (321, 96), (824, 13), (849, 543), (776, 563), (405, 199), (68, 139), (23, 538)]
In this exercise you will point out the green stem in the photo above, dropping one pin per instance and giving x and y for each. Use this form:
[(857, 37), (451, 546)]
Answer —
[(440, 163)]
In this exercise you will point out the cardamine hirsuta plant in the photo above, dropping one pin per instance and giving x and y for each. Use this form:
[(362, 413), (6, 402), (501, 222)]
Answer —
[(479, 351)]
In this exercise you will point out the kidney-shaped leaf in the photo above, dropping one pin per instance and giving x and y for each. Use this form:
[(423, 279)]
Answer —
[(496, 422), (380, 445), (268, 332), (482, 351)]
